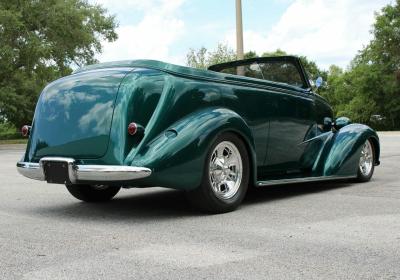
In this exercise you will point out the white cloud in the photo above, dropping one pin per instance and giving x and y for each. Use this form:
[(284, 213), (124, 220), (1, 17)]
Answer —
[(329, 32), (126, 6), (123, 5), (151, 37)]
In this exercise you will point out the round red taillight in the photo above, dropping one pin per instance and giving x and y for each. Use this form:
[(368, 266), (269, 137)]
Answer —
[(25, 130), (132, 128)]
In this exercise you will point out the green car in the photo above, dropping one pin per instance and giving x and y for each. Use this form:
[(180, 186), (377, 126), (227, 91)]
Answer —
[(212, 133)]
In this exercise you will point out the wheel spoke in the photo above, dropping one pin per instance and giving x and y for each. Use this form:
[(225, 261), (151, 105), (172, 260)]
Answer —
[(220, 152), (232, 175), (230, 185), (231, 161)]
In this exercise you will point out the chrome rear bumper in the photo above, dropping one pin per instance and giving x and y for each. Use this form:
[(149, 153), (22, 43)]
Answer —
[(76, 172)]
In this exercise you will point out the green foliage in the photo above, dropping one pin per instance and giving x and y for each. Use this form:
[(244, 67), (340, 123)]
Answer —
[(39, 41), (8, 131), (313, 71), (197, 58), (370, 88), (278, 52), (222, 54), (354, 93), (250, 54), (202, 58)]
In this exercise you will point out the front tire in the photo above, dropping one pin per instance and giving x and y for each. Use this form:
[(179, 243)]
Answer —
[(93, 193), (225, 177), (366, 162)]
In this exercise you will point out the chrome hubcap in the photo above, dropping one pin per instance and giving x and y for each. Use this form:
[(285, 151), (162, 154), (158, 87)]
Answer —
[(225, 170), (366, 159)]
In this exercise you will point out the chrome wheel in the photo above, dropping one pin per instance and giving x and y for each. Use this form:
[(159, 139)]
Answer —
[(366, 159), (225, 177), (225, 170)]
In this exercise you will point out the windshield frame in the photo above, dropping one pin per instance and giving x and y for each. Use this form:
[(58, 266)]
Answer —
[(289, 59)]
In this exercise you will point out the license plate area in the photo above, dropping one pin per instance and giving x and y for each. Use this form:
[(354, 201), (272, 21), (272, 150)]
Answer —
[(56, 172)]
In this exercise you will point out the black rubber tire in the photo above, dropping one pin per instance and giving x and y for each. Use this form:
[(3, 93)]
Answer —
[(88, 193), (203, 197), (365, 178)]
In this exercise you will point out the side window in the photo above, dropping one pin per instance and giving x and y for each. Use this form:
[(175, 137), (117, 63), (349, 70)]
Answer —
[(283, 72), (248, 70)]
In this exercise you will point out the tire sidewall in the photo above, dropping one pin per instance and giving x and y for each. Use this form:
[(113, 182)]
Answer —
[(233, 202), (88, 193)]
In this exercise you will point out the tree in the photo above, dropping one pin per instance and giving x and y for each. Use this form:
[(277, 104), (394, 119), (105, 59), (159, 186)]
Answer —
[(371, 85), (278, 52), (383, 54), (220, 55), (202, 58), (197, 58), (39, 41), (250, 54)]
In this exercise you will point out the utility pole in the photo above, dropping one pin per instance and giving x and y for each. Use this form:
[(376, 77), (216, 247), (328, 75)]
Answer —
[(239, 37)]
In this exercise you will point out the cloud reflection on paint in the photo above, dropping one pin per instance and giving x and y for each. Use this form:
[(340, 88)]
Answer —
[(99, 116)]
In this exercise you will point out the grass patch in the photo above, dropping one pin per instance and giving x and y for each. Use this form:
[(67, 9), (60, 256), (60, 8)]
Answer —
[(13, 141), (9, 132)]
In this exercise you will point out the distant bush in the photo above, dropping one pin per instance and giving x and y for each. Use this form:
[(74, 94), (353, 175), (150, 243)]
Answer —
[(9, 131)]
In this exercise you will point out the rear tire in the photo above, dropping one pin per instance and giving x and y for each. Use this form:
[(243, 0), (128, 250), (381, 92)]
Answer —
[(225, 177), (366, 162), (93, 193)]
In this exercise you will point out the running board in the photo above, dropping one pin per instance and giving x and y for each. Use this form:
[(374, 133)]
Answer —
[(301, 180)]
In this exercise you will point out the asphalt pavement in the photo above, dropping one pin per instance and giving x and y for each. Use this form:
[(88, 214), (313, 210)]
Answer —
[(336, 230)]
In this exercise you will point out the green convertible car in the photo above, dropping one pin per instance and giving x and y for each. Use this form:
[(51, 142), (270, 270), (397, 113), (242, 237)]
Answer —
[(212, 133)]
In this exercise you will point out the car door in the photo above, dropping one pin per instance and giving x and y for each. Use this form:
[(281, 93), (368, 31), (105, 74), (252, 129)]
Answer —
[(290, 128), (281, 116), (292, 122), (252, 104)]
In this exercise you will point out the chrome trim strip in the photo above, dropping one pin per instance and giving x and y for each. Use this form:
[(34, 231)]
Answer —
[(76, 172), (110, 172), (30, 170), (301, 180)]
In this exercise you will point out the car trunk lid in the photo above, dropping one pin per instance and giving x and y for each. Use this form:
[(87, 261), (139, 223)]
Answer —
[(74, 114)]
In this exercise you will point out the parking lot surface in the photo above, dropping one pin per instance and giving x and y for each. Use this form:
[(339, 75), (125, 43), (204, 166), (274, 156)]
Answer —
[(336, 230)]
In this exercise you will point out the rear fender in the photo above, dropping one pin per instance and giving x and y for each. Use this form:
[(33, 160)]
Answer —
[(177, 155)]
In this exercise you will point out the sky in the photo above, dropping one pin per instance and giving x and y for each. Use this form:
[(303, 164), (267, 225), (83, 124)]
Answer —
[(326, 31)]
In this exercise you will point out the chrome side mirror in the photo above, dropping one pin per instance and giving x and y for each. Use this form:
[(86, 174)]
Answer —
[(318, 82)]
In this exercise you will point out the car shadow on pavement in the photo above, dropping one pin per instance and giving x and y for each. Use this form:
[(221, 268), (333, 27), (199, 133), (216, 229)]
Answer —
[(154, 204), (161, 204)]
